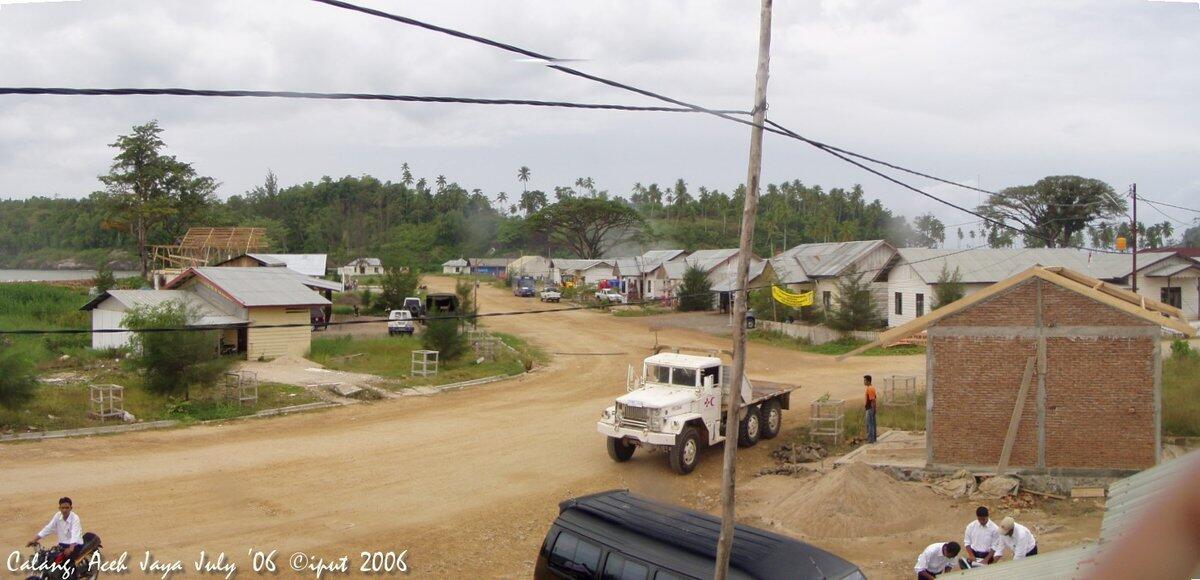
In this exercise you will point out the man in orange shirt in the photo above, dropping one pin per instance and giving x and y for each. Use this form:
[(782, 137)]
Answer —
[(871, 405)]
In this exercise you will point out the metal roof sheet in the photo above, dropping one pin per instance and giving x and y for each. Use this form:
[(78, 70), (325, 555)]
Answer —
[(831, 259), (366, 261), (491, 262), (1069, 564), (1170, 269), (788, 270), (987, 265), (456, 263), (708, 260), (579, 264), (307, 264), (253, 287), (208, 314), (729, 282)]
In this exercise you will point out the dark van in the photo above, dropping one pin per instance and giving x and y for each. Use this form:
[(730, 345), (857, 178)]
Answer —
[(621, 536)]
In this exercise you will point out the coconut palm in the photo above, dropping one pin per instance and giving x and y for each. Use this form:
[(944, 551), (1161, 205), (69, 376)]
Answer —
[(502, 198), (523, 176), (441, 182)]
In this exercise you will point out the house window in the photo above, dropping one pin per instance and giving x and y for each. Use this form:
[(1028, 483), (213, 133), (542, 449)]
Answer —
[(1172, 295), (827, 299), (920, 305), (899, 303)]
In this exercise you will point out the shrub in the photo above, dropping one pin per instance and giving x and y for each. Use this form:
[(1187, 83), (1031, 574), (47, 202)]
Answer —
[(854, 308), (465, 289), (1180, 349), (104, 280), (173, 361), (442, 334), (399, 283), (18, 379), (365, 299), (695, 293), (949, 288)]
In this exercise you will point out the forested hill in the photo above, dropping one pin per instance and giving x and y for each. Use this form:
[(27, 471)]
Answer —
[(425, 223)]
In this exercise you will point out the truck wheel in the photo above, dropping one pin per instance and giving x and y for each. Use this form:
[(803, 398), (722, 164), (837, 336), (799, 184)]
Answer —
[(620, 450), (750, 428), (685, 454), (771, 416)]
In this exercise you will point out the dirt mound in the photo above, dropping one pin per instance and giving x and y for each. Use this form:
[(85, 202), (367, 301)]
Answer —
[(852, 501), (289, 360)]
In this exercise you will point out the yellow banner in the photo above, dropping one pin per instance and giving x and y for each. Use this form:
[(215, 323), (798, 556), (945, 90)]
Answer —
[(790, 298)]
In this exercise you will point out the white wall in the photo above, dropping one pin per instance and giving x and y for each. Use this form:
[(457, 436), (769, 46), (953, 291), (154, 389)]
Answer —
[(109, 319), (904, 279), (1151, 287), (597, 273)]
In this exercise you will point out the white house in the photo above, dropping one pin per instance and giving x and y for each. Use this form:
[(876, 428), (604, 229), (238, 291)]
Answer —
[(456, 266), (361, 267), (818, 267), (569, 270), (635, 273), (537, 266), (913, 276)]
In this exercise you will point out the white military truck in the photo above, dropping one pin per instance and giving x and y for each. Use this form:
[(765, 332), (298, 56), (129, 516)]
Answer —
[(678, 405)]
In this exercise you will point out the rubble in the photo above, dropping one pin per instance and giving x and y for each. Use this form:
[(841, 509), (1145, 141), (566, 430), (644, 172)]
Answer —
[(961, 484), (800, 452), (999, 486)]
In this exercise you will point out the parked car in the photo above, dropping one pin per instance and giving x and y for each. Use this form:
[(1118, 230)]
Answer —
[(317, 317), (551, 294), (400, 322), (523, 286), (751, 319), (610, 295), (617, 534), (414, 306)]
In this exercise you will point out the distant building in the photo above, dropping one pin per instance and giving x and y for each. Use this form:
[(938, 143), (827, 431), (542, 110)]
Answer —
[(490, 266), (581, 272), (634, 273), (261, 312), (819, 267), (537, 266), (456, 266), (361, 267)]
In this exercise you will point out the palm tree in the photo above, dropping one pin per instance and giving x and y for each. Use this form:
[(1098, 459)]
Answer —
[(512, 209), (406, 173), (503, 197), (441, 182), (523, 176)]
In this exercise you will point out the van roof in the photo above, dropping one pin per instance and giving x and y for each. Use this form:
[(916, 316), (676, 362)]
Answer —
[(757, 553)]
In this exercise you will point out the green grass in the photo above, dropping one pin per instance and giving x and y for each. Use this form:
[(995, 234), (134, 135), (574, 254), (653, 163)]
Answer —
[(837, 347), (34, 305), (904, 418), (639, 311), (1181, 396), (65, 406), (391, 357)]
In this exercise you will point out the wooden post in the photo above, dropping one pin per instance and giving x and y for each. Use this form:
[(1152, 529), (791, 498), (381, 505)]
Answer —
[(1011, 437), (749, 213)]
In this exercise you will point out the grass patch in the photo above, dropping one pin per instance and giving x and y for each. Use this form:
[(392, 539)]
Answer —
[(1181, 396), (34, 305), (65, 406), (901, 417), (639, 311), (392, 357), (834, 348)]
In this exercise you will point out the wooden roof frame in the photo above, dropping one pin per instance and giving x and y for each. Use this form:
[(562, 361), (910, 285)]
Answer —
[(1119, 298)]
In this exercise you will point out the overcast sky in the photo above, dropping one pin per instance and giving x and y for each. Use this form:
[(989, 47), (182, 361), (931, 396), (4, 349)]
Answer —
[(995, 93)]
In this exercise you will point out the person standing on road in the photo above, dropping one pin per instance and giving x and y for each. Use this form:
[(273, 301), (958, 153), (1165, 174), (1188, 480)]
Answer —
[(1018, 538), (938, 558), (66, 528), (870, 406), (982, 538)]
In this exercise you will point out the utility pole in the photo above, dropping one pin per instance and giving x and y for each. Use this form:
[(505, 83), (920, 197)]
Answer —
[(1133, 236), (749, 213)]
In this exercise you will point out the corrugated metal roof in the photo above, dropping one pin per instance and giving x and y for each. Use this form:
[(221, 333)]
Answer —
[(366, 261), (307, 264), (1170, 269), (254, 287), (578, 264), (457, 263), (831, 259), (491, 262), (728, 283), (209, 314), (986, 265), (788, 270), (708, 260), (660, 256), (1069, 564)]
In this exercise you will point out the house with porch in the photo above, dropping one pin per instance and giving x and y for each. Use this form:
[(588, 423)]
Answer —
[(819, 267)]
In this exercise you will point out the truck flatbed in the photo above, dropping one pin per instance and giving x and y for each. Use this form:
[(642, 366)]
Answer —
[(763, 390)]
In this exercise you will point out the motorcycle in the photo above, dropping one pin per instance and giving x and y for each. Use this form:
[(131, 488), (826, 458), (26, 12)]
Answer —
[(51, 564)]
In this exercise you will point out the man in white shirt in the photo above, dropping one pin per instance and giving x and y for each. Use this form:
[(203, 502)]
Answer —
[(982, 538), (66, 528), (938, 558), (1018, 538)]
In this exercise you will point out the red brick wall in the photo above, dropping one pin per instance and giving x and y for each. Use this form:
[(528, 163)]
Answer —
[(1100, 403)]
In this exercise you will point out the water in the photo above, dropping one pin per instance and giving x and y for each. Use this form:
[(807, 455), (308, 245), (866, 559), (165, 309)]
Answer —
[(49, 275)]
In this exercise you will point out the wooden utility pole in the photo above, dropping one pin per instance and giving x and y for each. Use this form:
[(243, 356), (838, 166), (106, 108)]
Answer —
[(1133, 233), (749, 213)]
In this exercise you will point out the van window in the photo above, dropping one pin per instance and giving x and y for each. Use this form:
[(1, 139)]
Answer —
[(618, 567), (576, 557)]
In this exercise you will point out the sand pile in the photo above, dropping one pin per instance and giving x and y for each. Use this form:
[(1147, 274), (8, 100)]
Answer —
[(851, 501), (289, 360)]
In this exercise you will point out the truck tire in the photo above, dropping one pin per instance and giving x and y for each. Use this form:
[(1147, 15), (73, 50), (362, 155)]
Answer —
[(750, 428), (685, 454), (771, 416), (620, 450)]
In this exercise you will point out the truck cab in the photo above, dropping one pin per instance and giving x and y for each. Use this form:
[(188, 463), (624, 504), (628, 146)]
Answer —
[(678, 404)]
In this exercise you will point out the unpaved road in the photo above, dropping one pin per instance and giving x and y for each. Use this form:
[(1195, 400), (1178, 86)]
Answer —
[(466, 481)]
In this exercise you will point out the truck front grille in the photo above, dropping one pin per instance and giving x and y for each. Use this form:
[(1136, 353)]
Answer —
[(638, 417)]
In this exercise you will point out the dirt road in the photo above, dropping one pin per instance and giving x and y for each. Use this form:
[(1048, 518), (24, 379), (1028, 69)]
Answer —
[(466, 481)]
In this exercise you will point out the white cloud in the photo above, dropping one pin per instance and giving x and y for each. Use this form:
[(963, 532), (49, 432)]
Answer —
[(1003, 92)]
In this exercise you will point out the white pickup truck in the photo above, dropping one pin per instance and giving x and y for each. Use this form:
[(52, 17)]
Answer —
[(610, 295), (678, 404), (550, 294)]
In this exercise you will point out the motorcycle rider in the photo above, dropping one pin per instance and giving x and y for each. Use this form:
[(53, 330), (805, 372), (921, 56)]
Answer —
[(65, 526)]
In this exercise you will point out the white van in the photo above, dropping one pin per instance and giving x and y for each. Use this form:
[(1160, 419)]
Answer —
[(400, 322)]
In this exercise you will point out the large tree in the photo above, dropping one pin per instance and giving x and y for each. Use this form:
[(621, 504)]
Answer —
[(588, 226), (145, 189), (1054, 209), (931, 232)]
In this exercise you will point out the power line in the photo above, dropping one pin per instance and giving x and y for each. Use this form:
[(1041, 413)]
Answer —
[(1154, 206), (1152, 202), (776, 128), (181, 92)]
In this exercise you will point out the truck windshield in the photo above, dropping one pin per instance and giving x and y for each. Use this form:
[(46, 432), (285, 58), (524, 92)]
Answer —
[(658, 374), (671, 376)]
